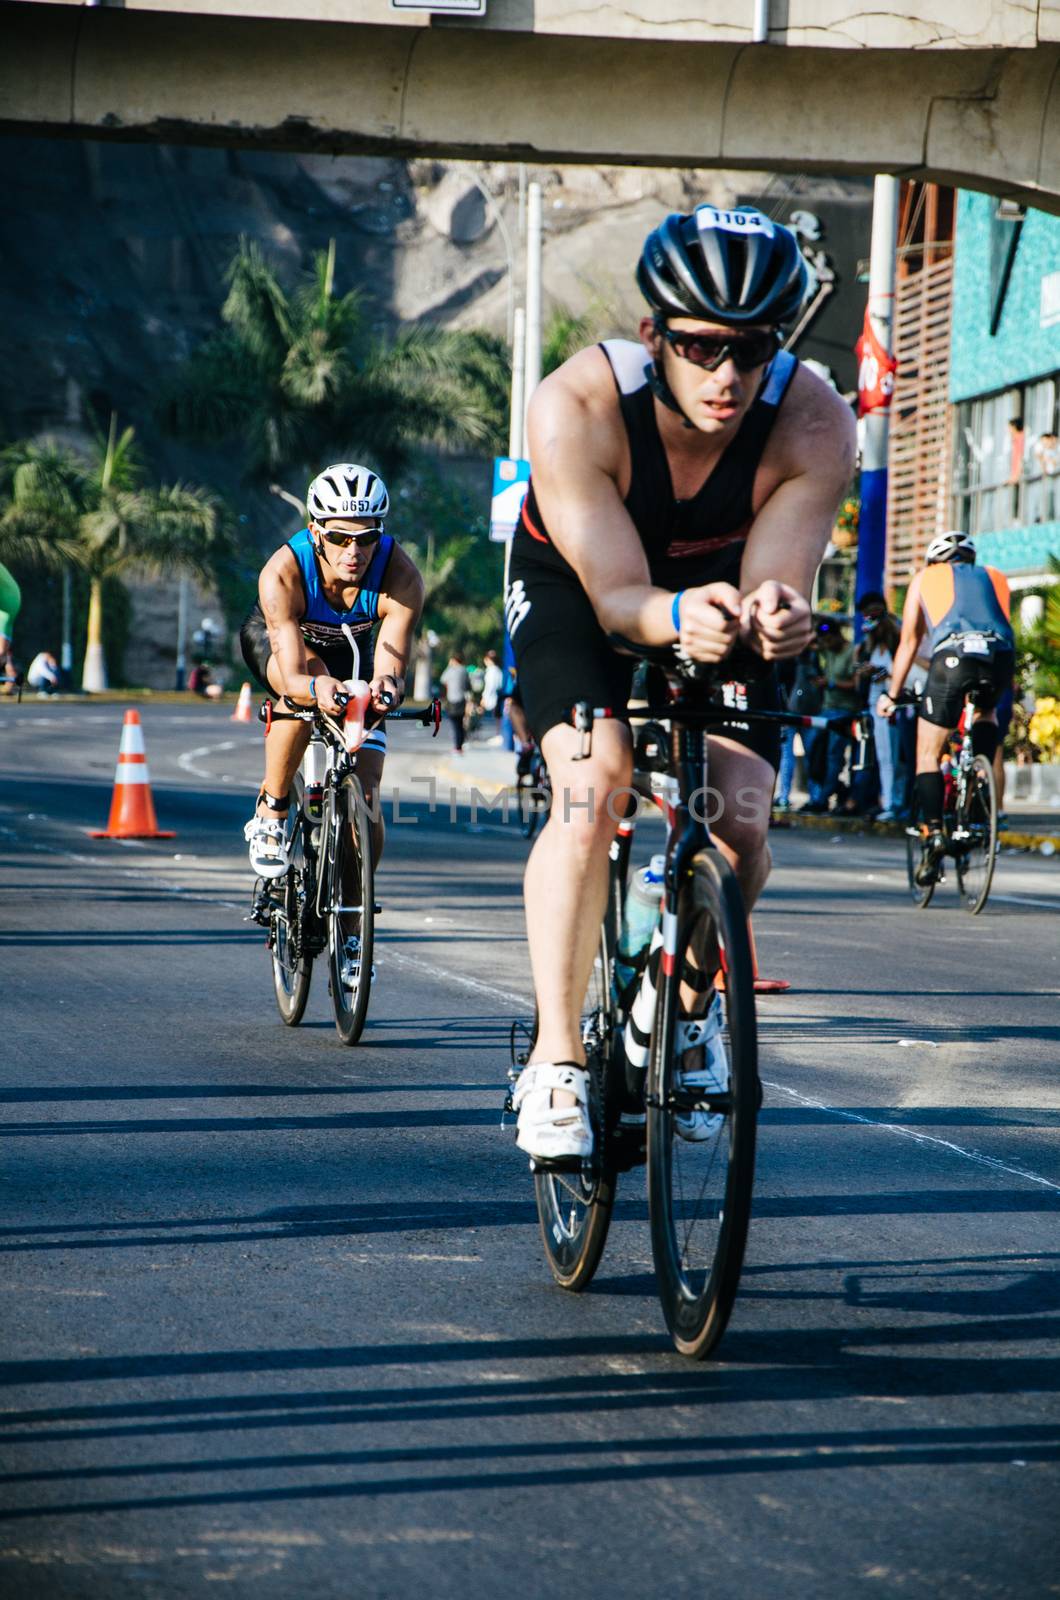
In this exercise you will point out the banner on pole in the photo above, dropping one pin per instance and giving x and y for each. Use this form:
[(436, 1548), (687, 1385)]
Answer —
[(511, 478), (876, 370)]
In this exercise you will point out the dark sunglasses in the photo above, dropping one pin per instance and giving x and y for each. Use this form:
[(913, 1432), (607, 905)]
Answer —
[(709, 350), (342, 541)]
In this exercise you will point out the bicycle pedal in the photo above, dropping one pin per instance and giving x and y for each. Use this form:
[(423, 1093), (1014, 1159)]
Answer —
[(560, 1164), (377, 908)]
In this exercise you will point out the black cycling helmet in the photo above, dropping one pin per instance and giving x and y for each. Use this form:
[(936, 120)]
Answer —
[(737, 267)]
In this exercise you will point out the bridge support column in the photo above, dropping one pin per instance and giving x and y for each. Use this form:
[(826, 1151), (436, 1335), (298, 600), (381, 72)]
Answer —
[(875, 386)]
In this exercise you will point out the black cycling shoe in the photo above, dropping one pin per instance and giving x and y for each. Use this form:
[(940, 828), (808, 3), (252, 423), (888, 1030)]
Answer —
[(928, 870)]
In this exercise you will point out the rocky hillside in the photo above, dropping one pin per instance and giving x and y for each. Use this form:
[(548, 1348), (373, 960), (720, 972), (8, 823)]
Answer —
[(115, 255)]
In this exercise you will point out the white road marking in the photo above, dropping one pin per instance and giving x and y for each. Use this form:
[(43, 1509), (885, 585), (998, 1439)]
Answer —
[(918, 1138), (526, 1002), (436, 971), (187, 761)]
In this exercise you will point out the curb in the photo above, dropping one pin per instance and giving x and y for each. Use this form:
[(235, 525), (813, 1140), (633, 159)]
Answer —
[(1047, 844), (119, 697), (459, 777)]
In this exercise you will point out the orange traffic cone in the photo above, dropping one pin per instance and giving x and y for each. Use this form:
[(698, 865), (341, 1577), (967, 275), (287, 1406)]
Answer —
[(242, 712), (132, 810)]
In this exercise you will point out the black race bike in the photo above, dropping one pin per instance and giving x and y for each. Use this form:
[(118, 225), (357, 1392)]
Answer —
[(699, 1189), (325, 901), (533, 792), (969, 827)]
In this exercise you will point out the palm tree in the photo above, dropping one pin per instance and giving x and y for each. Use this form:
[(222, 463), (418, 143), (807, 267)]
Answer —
[(301, 377), (97, 513)]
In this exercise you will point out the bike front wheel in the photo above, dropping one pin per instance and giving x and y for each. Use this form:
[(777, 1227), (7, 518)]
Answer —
[(292, 965), (974, 836), (574, 1207), (350, 908), (699, 1190)]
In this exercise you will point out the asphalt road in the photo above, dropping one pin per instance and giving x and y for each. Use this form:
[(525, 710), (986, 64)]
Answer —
[(275, 1314)]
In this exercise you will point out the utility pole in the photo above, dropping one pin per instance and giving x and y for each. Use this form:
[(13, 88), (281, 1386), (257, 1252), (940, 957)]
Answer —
[(66, 659), (532, 375), (518, 403), (182, 633), (875, 386)]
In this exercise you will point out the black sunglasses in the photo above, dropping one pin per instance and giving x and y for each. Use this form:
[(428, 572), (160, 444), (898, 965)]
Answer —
[(709, 350), (342, 541)]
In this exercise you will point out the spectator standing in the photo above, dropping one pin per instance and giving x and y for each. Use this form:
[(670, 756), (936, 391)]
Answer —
[(839, 692), (456, 683), (492, 682), (801, 694), (42, 673), (875, 660), (1047, 456)]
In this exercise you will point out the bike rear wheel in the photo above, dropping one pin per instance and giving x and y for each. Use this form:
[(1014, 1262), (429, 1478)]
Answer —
[(914, 850), (292, 966), (574, 1207), (350, 909), (699, 1194), (975, 836)]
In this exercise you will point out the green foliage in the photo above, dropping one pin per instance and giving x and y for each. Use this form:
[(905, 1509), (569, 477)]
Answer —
[(39, 623), (462, 569), (94, 512), (565, 332), (299, 379), (1038, 645), (563, 335)]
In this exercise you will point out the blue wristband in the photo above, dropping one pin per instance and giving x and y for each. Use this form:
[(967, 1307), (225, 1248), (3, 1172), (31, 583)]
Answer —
[(312, 688), (675, 612)]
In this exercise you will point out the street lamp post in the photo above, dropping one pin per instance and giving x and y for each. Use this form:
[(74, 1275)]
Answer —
[(66, 658), (181, 676)]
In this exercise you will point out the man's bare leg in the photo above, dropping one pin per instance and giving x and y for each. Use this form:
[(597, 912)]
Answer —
[(931, 741), (567, 879), (370, 772), (284, 747), (743, 793)]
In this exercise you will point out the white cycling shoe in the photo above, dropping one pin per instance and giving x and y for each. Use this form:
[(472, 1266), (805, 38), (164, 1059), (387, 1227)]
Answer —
[(545, 1131), (267, 838), (351, 963), (704, 1066)]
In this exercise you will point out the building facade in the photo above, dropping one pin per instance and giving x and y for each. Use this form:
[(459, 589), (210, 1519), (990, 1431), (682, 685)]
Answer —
[(1004, 385)]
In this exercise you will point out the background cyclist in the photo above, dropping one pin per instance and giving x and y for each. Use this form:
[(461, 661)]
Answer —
[(343, 568), (683, 489), (962, 611)]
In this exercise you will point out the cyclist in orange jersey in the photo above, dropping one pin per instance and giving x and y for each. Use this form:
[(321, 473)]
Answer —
[(958, 613)]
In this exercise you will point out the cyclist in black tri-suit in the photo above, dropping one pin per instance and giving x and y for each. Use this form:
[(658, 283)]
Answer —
[(682, 492), (958, 614)]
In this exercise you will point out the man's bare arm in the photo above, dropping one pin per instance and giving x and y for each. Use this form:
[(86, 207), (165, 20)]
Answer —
[(574, 455), (791, 531), (400, 609), (913, 628), (574, 460), (283, 603)]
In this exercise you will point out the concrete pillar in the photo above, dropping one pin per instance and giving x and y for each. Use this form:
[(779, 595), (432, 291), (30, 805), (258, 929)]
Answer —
[(872, 522)]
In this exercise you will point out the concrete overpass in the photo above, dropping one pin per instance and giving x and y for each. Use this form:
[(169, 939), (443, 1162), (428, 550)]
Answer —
[(836, 87)]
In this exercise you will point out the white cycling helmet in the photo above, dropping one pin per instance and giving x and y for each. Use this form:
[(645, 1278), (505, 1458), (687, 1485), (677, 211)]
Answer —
[(955, 546), (347, 490)]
